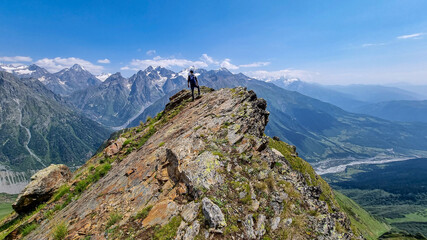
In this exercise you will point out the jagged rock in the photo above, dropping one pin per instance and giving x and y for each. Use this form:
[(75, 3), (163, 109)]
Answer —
[(276, 138), (192, 231), (275, 223), (213, 214), (248, 227), (114, 147), (201, 172), (190, 211), (42, 186), (260, 226)]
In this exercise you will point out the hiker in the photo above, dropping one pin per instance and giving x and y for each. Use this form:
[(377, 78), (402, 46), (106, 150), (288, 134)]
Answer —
[(193, 82)]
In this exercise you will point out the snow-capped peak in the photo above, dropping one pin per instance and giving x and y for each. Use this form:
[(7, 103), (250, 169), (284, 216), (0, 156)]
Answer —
[(103, 76), (77, 67), (16, 69)]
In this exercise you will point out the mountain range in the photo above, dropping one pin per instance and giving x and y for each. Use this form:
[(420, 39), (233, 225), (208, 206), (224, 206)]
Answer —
[(319, 129), (63, 82), (37, 127)]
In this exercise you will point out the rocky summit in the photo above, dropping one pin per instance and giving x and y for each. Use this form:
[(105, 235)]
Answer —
[(200, 169)]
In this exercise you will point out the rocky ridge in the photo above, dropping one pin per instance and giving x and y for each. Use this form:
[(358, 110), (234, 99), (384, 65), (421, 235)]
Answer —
[(198, 170)]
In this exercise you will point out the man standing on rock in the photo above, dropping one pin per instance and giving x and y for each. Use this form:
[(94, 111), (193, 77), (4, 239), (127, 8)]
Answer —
[(193, 82)]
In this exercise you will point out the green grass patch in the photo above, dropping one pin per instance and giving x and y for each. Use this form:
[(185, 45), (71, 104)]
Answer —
[(5, 209), (64, 189), (28, 228), (169, 230), (60, 231), (114, 218)]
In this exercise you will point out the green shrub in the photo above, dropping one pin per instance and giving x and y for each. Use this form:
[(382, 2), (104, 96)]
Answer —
[(60, 231), (143, 213), (114, 218), (64, 189), (161, 144), (28, 228)]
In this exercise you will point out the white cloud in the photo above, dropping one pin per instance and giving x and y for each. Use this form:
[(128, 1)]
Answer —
[(285, 73), (125, 68), (207, 59), (16, 59), (165, 62), (58, 63), (104, 60), (226, 63), (415, 35), (151, 52), (255, 64)]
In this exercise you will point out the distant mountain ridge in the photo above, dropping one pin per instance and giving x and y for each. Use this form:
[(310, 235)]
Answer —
[(63, 82), (38, 128)]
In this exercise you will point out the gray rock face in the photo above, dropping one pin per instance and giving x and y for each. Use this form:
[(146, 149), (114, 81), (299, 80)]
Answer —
[(248, 227), (213, 214), (190, 211), (260, 226), (192, 231), (41, 188)]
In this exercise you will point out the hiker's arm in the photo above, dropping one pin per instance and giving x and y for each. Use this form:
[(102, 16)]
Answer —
[(197, 81), (188, 81)]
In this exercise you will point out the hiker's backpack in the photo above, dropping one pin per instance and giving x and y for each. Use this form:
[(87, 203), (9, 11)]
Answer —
[(192, 79)]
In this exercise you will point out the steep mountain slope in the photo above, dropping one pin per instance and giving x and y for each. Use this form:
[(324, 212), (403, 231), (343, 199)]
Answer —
[(198, 170), (37, 128), (320, 130), (405, 111)]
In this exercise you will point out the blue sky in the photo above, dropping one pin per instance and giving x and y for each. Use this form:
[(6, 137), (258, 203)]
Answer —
[(337, 42)]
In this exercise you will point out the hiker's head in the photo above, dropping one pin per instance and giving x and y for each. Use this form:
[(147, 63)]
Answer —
[(191, 71)]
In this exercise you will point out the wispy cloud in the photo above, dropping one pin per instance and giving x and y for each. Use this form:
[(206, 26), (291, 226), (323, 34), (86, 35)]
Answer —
[(226, 63), (16, 59), (285, 74), (373, 44), (415, 35), (207, 59), (151, 52), (165, 62), (104, 60), (58, 63), (255, 64)]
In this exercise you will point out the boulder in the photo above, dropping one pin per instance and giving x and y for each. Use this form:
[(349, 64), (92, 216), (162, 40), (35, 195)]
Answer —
[(42, 186), (213, 214), (114, 147)]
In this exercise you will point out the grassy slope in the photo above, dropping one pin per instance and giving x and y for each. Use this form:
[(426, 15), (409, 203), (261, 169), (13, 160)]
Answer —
[(6, 201), (5, 209), (370, 227), (361, 220)]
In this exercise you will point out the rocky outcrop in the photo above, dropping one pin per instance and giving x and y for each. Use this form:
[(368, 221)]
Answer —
[(114, 147), (42, 186), (213, 214), (201, 169)]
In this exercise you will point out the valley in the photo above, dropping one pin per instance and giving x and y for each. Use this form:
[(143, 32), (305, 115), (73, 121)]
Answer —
[(394, 192)]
